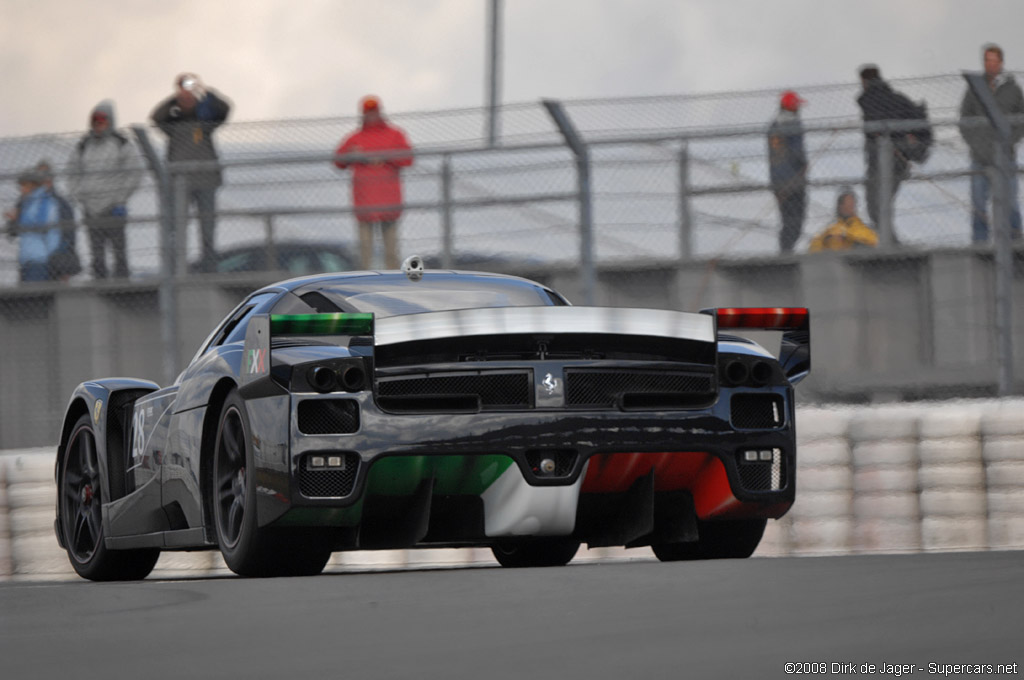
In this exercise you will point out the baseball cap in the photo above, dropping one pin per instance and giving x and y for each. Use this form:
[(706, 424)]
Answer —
[(370, 103), (791, 101)]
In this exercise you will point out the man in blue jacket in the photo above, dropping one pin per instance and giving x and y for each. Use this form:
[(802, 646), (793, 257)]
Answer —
[(36, 223), (788, 167)]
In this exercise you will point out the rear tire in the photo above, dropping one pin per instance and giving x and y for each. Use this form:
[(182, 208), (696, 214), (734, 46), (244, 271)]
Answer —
[(80, 498), (718, 540), (535, 552), (247, 548)]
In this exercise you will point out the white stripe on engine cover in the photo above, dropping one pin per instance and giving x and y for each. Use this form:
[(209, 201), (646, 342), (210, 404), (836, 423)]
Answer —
[(514, 508), (504, 320)]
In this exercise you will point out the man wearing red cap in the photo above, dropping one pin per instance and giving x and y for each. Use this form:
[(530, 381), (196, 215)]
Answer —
[(788, 168), (376, 180)]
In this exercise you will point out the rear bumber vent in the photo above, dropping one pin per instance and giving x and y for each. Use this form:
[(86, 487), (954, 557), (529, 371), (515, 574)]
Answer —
[(328, 416), (326, 481), (762, 471), (757, 411), (454, 392), (632, 389)]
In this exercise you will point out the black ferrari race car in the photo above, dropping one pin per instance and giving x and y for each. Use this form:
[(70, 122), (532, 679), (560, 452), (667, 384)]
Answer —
[(373, 410)]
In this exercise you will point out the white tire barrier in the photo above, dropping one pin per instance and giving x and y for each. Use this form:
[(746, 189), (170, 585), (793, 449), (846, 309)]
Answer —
[(900, 478), (1002, 450)]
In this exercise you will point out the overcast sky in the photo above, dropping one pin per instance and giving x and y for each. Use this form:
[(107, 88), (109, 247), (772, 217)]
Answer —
[(315, 58)]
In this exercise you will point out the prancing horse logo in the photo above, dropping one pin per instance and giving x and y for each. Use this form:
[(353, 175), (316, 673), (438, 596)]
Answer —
[(551, 383)]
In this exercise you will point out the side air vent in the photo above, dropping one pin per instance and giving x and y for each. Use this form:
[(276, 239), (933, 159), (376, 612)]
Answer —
[(757, 411), (328, 416)]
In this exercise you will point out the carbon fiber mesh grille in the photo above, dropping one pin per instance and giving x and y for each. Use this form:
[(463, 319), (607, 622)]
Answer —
[(328, 416), (489, 390), (650, 389), (763, 475), (327, 482), (756, 476), (756, 411)]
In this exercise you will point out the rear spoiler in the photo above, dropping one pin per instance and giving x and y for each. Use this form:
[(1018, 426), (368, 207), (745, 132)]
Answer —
[(794, 322), (254, 372)]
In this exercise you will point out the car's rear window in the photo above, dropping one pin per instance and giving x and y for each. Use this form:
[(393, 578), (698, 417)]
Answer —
[(395, 296)]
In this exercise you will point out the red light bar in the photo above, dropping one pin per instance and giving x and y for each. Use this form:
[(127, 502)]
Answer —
[(766, 318)]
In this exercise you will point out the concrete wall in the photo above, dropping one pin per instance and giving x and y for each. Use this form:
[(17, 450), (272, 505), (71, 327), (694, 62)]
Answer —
[(899, 478), (912, 324)]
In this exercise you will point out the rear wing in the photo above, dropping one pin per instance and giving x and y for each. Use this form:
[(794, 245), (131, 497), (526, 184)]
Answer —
[(793, 322), (255, 369)]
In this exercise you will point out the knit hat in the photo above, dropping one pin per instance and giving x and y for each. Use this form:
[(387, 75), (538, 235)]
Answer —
[(31, 176), (791, 101)]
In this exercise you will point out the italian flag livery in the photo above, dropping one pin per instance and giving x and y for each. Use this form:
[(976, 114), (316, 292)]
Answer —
[(374, 410)]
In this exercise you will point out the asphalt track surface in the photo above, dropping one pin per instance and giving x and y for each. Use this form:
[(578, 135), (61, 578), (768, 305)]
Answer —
[(638, 619)]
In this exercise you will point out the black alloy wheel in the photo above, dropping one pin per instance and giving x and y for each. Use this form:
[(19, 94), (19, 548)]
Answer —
[(80, 501), (229, 473), (247, 548)]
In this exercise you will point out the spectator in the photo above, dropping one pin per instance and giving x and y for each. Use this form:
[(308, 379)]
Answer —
[(36, 223), (788, 166), (188, 118), (879, 102), (106, 171), (981, 139), (376, 180), (64, 263), (848, 231)]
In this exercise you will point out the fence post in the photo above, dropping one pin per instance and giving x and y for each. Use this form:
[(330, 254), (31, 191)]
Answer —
[(179, 184), (1001, 212), (447, 261), (588, 274), (167, 293), (885, 196), (1003, 173), (269, 244), (685, 223), (493, 69)]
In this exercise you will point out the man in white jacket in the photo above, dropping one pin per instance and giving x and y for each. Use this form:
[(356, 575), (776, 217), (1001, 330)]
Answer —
[(105, 172)]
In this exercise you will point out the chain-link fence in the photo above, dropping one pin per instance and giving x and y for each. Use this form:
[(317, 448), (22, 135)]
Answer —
[(665, 201)]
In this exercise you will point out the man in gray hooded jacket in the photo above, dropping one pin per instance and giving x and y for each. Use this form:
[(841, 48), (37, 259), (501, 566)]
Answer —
[(981, 138), (105, 172)]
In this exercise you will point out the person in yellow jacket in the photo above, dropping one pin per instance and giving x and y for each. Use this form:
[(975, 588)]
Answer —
[(848, 231)]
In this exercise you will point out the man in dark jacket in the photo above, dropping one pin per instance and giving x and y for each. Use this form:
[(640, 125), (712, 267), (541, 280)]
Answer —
[(879, 102), (788, 168), (188, 118), (981, 139)]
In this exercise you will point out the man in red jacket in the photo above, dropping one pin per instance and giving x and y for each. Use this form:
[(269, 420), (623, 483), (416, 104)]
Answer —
[(376, 180)]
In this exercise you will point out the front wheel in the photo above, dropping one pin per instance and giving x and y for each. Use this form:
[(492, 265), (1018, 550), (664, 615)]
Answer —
[(535, 552), (717, 540), (79, 501), (248, 549)]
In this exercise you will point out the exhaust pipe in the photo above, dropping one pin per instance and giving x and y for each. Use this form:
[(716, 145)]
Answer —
[(322, 379), (736, 372), (761, 373), (352, 379)]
